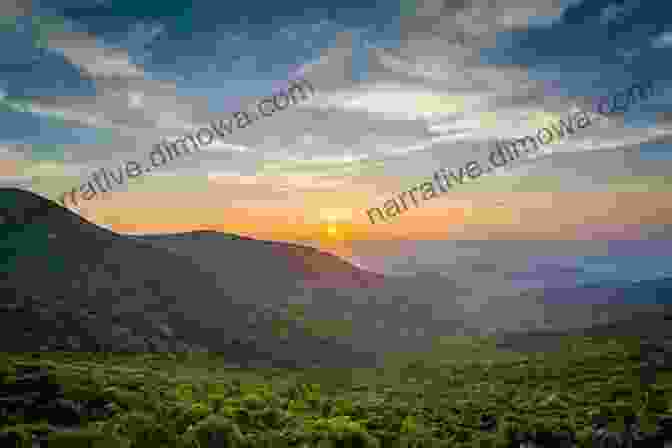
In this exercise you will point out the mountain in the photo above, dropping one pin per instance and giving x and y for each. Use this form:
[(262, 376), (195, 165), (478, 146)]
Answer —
[(278, 261), (650, 328), (68, 284), (649, 291), (642, 314)]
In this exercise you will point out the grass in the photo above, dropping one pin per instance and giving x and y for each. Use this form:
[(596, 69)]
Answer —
[(433, 398)]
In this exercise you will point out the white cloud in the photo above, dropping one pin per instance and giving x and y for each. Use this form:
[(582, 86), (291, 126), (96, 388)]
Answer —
[(663, 40), (424, 88), (92, 56), (135, 99), (218, 146)]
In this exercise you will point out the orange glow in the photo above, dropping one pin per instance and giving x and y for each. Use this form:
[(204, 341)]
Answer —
[(515, 215), (9, 168)]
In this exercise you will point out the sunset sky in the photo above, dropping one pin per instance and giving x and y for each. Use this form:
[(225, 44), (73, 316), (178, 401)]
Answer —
[(401, 90)]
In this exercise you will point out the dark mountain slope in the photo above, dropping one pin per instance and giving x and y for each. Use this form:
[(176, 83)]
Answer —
[(282, 261), (67, 283), (327, 294), (251, 299)]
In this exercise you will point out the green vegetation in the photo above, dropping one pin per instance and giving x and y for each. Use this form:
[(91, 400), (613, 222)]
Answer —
[(432, 399)]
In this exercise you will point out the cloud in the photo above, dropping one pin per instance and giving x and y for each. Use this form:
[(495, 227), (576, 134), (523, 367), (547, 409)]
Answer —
[(436, 98), (94, 59), (13, 8), (663, 40), (217, 145)]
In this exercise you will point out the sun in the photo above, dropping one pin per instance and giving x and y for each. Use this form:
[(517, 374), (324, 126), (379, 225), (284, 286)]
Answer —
[(331, 230)]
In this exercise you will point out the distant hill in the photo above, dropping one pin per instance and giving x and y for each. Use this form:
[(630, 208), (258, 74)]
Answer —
[(650, 291), (650, 327)]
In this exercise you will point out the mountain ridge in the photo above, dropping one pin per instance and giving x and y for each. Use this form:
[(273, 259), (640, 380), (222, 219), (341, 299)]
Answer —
[(115, 292), (67, 283)]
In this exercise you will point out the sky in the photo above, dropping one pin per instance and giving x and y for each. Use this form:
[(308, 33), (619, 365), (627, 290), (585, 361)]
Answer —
[(401, 89)]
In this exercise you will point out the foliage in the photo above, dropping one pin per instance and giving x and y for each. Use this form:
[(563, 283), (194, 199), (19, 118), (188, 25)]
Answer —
[(166, 400), (79, 439)]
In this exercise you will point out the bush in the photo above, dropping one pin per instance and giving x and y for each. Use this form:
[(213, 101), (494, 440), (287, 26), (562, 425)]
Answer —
[(125, 398), (84, 438), (15, 437), (343, 432), (144, 430), (214, 431)]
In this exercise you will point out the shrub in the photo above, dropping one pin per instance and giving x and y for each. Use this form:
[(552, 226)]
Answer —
[(144, 430), (344, 432), (214, 431), (253, 401), (84, 438), (15, 437), (125, 398)]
